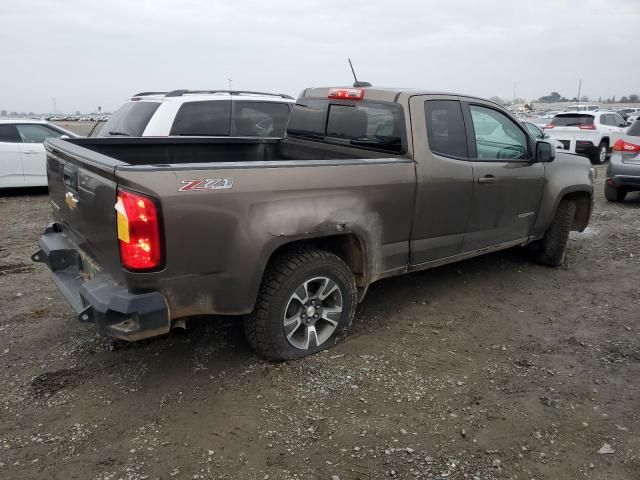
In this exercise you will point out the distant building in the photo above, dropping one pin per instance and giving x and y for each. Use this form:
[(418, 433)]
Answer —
[(3, 113)]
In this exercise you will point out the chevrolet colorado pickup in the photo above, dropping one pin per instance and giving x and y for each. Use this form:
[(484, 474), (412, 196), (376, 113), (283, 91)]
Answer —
[(368, 183)]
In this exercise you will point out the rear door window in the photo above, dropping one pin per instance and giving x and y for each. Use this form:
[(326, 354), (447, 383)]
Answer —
[(36, 133), (572, 120), (205, 118), (260, 119), (445, 128), (618, 121), (130, 120), (9, 134)]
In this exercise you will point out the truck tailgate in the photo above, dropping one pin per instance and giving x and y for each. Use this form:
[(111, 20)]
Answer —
[(82, 191)]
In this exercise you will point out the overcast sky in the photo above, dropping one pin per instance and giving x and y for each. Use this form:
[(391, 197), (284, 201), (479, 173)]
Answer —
[(86, 53)]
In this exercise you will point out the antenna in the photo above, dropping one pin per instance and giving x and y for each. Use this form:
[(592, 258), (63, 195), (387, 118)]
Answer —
[(357, 83)]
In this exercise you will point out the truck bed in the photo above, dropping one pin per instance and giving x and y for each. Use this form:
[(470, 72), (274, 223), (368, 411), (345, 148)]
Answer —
[(181, 150), (224, 234)]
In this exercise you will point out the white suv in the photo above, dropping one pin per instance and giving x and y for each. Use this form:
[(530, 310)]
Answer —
[(587, 133), (201, 113)]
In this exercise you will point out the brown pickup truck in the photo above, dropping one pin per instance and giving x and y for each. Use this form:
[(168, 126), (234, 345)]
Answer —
[(368, 183)]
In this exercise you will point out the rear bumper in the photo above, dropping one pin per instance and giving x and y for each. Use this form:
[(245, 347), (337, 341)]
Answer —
[(621, 174), (625, 181), (111, 306)]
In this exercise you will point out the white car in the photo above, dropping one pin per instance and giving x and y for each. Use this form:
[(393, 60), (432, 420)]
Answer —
[(633, 117), (201, 113), (22, 155), (587, 133)]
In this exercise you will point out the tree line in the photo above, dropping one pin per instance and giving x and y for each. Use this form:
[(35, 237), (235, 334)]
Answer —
[(555, 97)]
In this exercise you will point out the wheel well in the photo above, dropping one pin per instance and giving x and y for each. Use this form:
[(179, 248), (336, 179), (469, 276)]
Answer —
[(347, 247), (605, 140), (583, 209)]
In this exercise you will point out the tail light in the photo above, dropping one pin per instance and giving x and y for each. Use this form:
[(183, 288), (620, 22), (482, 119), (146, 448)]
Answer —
[(549, 126), (587, 126), (347, 93), (622, 146), (138, 231)]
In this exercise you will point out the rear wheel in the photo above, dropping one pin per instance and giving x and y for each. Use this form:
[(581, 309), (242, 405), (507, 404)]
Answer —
[(306, 304), (600, 155), (552, 247), (614, 194)]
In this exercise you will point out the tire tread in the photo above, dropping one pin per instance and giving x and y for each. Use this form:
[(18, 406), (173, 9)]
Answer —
[(278, 270)]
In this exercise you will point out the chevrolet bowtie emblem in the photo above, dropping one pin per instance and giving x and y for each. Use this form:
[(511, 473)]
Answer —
[(71, 200)]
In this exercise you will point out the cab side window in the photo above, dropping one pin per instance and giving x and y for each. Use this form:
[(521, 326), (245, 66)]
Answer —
[(497, 136), (445, 128), (36, 133)]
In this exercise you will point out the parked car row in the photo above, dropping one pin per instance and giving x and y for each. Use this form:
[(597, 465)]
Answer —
[(77, 118)]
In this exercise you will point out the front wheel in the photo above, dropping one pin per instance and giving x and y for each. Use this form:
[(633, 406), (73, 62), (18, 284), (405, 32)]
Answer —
[(306, 304), (600, 155), (614, 194), (552, 247)]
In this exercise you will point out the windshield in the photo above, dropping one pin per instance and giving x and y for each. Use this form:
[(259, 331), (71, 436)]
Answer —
[(130, 120)]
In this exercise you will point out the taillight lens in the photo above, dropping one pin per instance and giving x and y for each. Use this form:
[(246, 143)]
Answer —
[(622, 146), (547, 127), (138, 231), (347, 93), (587, 126)]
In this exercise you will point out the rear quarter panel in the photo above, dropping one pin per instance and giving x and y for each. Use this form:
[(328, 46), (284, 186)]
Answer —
[(218, 242)]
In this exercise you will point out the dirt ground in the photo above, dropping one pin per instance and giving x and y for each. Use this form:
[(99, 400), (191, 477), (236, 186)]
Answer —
[(491, 368)]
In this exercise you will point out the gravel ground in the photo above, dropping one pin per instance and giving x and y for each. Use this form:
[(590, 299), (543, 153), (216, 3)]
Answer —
[(490, 368)]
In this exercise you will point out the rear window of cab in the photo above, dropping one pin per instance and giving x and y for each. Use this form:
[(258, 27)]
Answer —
[(364, 124)]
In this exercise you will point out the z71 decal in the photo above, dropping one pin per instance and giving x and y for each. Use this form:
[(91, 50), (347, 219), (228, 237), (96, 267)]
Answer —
[(206, 184)]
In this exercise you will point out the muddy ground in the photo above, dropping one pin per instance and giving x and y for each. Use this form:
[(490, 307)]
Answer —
[(491, 368)]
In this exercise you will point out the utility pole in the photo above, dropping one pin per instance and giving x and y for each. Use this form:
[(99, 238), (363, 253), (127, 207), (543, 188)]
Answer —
[(578, 99), (229, 80), (514, 92), (55, 108)]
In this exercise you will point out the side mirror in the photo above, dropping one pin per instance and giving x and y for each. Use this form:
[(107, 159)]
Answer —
[(545, 152)]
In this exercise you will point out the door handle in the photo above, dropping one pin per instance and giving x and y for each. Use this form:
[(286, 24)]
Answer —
[(487, 179), (30, 152)]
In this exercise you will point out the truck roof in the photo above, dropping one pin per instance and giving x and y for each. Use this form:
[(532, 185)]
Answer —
[(382, 94)]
